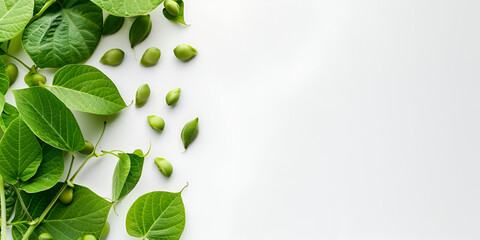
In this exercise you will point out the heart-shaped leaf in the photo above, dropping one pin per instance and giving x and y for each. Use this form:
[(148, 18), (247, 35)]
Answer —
[(14, 16), (20, 153), (86, 214), (67, 33), (87, 89), (128, 8), (120, 175), (157, 216), (49, 118), (49, 172)]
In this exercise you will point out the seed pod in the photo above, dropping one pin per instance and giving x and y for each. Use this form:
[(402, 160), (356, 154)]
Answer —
[(143, 93), (140, 30), (156, 122), (105, 230), (67, 196), (45, 236), (164, 166), (112, 24), (184, 52), (172, 97), (87, 149), (172, 7), (12, 72), (89, 237), (150, 57), (189, 132), (113, 57)]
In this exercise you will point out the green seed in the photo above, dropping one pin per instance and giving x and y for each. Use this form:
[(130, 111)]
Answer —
[(105, 230), (140, 30), (172, 97), (87, 149), (112, 24), (113, 57), (89, 237), (45, 236), (67, 196), (139, 152), (164, 166), (12, 72), (143, 93), (189, 132), (156, 122), (184, 52), (150, 57), (172, 7)]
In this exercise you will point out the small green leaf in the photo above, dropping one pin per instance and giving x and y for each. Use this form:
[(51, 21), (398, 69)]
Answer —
[(87, 89), (49, 172), (157, 216), (120, 175), (4, 79), (14, 16), (86, 214), (127, 8), (20, 153), (136, 168), (10, 199), (67, 33), (9, 114), (49, 118), (112, 24), (179, 18), (140, 29)]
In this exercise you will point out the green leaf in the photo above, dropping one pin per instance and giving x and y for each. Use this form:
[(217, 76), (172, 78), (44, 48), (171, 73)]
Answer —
[(2, 102), (86, 214), (49, 172), (4, 80), (14, 16), (10, 199), (9, 114), (49, 118), (67, 33), (87, 89), (112, 24), (38, 6), (140, 29), (179, 18), (136, 168), (20, 153), (120, 175), (157, 216), (128, 8)]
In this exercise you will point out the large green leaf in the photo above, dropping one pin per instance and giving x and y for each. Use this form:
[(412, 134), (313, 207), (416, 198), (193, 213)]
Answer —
[(120, 175), (20, 153), (67, 33), (157, 216), (49, 172), (49, 118), (4, 80), (9, 114), (128, 8), (14, 16), (86, 214), (136, 168), (87, 89)]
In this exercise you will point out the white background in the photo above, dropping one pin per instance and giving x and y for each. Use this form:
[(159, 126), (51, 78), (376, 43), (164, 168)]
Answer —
[(348, 120)]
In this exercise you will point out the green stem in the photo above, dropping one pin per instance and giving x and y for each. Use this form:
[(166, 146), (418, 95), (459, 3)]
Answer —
[(3, 209), (44, 8), (20, 199), (18, 60)]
